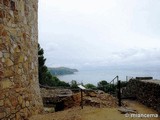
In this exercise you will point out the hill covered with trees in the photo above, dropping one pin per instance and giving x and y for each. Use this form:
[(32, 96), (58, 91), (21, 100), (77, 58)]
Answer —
[(62, 71)]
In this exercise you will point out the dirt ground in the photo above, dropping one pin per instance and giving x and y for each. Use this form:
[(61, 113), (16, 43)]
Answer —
[(92, 113)]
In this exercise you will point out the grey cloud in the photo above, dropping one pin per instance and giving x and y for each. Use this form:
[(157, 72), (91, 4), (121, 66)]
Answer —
[(104, 33)]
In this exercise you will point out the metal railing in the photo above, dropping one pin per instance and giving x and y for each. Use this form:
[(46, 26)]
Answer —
[(117, 77), (112, 89)]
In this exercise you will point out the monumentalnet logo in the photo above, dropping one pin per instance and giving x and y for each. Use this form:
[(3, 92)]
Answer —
[(144, 115)]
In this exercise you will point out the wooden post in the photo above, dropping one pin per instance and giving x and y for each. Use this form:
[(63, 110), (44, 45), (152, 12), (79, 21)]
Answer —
[(81, 98), (82, 88), (119, 92)]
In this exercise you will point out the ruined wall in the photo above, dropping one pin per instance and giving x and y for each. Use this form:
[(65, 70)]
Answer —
[(145, 91), (19, 89)]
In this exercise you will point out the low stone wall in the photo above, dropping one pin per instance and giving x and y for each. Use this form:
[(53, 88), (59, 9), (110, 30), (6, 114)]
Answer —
[(53, 93), (63, 99), (145, 91)]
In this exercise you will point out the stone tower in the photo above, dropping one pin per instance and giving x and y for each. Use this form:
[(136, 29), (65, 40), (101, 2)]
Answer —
[(19, 89)]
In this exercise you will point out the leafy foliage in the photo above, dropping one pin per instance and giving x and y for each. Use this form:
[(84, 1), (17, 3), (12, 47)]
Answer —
[(90, 86), (74, 84), (124, 83), (45, 77), (103, 85), (106, 87), (42, 69)]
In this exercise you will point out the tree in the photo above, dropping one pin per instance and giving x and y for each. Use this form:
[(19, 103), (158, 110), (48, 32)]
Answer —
[(45, 77), (42, 69), (74, 84), (103, 85), (90, 86)]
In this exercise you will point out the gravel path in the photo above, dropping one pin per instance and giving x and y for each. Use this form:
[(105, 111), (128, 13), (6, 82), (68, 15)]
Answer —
[(92, 113)]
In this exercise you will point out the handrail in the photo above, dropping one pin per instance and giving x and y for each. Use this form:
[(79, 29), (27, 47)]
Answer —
[(114, 79), (110, 84)]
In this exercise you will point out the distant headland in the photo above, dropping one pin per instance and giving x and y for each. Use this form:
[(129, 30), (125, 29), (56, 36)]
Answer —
[(62, 70)]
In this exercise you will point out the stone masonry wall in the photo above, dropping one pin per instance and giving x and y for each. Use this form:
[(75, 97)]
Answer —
[(19, 89), (145, 91)]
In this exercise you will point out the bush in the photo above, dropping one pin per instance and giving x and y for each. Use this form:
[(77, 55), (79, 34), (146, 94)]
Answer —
[(90, 86)]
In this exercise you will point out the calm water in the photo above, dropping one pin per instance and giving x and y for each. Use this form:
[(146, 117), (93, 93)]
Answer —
[(94, 76)]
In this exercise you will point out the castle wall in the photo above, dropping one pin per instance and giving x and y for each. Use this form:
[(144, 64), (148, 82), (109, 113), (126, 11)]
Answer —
[(145, 91), (19, 89)]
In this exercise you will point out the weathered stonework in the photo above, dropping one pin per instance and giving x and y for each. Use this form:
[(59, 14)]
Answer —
[(145, 91), (19, 89)]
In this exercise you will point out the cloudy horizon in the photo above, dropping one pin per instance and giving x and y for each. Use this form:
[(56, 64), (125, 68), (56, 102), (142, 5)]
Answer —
[(91, 34)]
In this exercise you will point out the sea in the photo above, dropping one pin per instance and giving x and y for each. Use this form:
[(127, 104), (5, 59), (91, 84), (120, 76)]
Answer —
[(94, 76)]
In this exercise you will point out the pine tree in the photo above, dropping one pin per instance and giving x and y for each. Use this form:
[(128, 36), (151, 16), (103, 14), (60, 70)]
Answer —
[(42, 68), (45, 77)]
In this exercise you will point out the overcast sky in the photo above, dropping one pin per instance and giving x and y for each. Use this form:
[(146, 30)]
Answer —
[(100, 33)]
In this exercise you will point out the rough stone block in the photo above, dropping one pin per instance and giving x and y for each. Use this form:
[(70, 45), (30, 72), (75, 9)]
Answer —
[(4, 33), (9, 62), (18, 117), (6, 55), (1, 54), (8, 73), (2, 13), (3, 60), (1, 1), (6, 83), (1, 103), (20, 59), (17, 49), (14, 101), (6, 3), (1, 66), (1, 29), (23, 104), (1, 74), (20, 99), (27, 103), (2, 115), (8, 111)]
